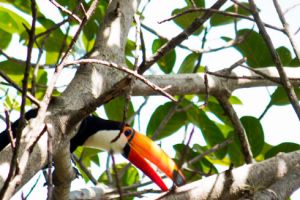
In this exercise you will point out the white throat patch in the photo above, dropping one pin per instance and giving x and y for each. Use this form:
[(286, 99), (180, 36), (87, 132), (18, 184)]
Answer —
[(102, 140)]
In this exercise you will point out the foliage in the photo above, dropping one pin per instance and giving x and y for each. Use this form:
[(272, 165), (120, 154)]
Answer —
[(211, 122)]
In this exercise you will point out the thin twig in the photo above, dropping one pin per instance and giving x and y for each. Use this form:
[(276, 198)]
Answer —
[(185, 149), (107, 170), (25, 80), (85, 170), (116, 176), (135, 67), (59, 67), (239, 129), (228, 44), (64, 44), (133, 194), (287, 30), (241, 5), (33, 187), (13, 84), (24, 158), (179, 38), (9, 129), (198, 64), (206, 89), (291, 8), (124, 69), (284, 78), (63, 9), (35, 140), (14, 168), (50, 161), (53, 28), (137, 112), (211, 150), (37, 66), (275, 80), (219, 12), (166, 119)]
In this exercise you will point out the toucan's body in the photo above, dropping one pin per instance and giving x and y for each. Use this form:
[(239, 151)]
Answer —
[(111, 135)]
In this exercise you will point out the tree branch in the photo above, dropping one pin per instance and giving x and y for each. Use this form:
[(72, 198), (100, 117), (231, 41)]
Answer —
[(283, 76), (287, 30), (236, 123), (219, 12), (181, 84), (245, 179), (179, 38)]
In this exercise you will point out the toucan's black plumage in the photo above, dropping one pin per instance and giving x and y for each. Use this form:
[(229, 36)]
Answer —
[(100, 133), (4, 137), (88, 127)]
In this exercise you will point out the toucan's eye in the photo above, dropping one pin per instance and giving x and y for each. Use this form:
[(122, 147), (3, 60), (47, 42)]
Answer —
[(127, 132)]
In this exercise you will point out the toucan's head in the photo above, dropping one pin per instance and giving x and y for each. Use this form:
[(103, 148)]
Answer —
[(137, 148), (140, 150)]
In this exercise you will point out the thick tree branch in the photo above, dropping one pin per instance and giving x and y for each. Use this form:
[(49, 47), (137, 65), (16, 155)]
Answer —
[(32, 132), (15, 171), (267, 178), (281, 189), (233, 184), (239, 78)]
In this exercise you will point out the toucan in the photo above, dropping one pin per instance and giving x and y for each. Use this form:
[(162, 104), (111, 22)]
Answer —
[(108, 135)]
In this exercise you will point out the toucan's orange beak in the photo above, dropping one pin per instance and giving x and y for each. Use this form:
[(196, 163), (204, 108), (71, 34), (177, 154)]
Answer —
[(140, 150)]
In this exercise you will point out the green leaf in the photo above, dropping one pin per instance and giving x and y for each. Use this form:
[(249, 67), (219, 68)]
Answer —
[(188, 64), (279, 97), (167, 62), (86, 162), (185, 20), (54, 42), (130, 177), (218, 111), (70, 5), (41, 80), (130, 47), (211, 133), (254, 133), (51, 57), (13, 70), (86, 156), (88, 44), (90, 30), (187, 154), (234, 151), (254, 48), (199, 3), (114, 109), (285, 147), (235, 100), (285, 55), (176, 121), (12, 22), (263, 152), (294, 62), (19, 4), (5, 39), (11, 104), (219, 19)]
